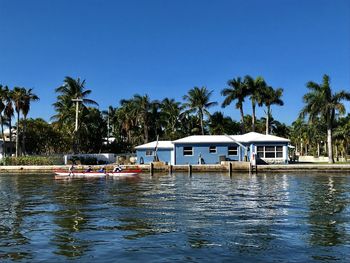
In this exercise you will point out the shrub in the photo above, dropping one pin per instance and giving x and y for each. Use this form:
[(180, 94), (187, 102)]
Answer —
[(33, 160)]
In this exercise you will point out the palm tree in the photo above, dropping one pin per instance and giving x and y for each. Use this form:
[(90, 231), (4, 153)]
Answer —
[(18, 97), (29, 96), (269, 97), (255, 87), (170, 116), (219, 124), (71, 89), (8, 111), (198, 100), (65, 107), (142, 107), (2, 108), (321, 101), (237, 91)]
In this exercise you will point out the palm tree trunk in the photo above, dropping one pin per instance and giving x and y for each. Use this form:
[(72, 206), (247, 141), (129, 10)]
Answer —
[(253, 116), (24, 134), (329, 142), (17, 135), (242, 119), (201, 119), (267, 119), (3, 136)]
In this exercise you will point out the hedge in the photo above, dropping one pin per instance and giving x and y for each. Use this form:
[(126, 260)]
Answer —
[(33, 160)]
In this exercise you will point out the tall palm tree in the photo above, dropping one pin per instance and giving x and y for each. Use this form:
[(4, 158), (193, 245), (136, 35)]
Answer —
[(322, 101), (29, 96), (126, 119), (254, 88), (18, 97), (269, 97), (2, 108), (170, 117), (64, 106), (198, 100), (66, 109), (237, 91), (8, 111)]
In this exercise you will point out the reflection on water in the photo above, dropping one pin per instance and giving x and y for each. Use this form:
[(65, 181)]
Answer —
[(250, 218)]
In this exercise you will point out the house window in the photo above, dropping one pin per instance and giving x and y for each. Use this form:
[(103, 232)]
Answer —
[(188, 151), (233, 150), (149, 153), (279, 152), (270, 151), (260, 151), (212, 149)]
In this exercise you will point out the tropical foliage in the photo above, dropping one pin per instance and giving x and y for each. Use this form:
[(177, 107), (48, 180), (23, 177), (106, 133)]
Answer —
[(79, 126), (321, 102)]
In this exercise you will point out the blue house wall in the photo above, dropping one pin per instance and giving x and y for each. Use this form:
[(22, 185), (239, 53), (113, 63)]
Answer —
[(202, 149), (164, 155)]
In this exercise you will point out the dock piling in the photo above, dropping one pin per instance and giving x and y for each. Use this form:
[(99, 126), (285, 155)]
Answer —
[(170, 169), (151, 169), (230, 169), (190, 170)]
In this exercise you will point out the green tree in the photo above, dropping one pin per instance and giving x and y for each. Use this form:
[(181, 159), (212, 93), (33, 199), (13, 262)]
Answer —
[(66, 109), (269, 97), (28, 97), (198, 100), (18, 97), (219, 124), (237, 91), (171, 111), (2, 108), (8, 111), (321, 101), (255, 88)]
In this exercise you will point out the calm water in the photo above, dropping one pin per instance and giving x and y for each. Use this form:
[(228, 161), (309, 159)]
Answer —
[(205, 218)]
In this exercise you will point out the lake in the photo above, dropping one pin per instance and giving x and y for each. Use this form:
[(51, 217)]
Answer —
[(293, 217)]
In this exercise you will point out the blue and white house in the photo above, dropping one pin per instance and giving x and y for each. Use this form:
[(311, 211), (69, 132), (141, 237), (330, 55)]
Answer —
[(213, 149), (146, 152)]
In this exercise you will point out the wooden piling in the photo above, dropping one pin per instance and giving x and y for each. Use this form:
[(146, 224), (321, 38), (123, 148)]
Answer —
[(151, 169), (170, 169), (189, 170), (230, 169)]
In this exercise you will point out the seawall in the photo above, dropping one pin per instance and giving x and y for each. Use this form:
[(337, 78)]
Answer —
[(161, 168)]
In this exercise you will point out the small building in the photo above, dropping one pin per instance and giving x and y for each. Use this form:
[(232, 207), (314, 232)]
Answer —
[(149, 152), (213, 149)]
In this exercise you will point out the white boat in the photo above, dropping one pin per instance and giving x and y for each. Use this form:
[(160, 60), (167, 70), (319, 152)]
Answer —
[(123, 173), (64, 174)]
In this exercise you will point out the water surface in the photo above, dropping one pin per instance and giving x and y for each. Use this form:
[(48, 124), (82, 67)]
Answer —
[(203, 218)]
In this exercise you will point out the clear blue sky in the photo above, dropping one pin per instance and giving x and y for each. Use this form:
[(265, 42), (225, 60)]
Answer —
[(163, 48)]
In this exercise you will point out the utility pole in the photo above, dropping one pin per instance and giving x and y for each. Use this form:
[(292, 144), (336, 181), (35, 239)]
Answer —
[(75, 144), (77, 100)]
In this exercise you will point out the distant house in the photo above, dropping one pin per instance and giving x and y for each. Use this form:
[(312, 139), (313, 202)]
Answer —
[(9, 147), (213, 149)]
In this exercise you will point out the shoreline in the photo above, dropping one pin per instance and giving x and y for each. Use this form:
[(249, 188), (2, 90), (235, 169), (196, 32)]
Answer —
[(161, 168)]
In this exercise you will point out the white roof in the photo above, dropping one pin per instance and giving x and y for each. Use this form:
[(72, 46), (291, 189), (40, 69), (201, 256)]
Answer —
[(152, 145), (244, 138)]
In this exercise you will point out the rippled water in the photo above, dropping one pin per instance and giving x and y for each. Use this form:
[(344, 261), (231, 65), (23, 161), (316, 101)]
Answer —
[(203, 218)]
